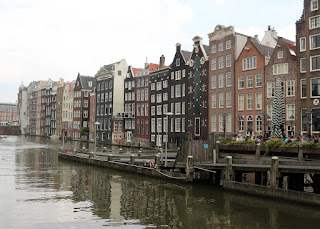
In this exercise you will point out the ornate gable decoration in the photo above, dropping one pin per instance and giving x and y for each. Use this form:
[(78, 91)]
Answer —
[(102, 73), (221, 32)]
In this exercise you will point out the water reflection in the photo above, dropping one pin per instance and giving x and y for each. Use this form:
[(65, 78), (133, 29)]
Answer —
[(37, 189)]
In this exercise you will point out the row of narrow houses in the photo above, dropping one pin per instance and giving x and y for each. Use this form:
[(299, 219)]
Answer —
[(226, 87)]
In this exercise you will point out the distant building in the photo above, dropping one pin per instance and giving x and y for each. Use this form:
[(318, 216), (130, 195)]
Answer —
[(81, 103), (67, 109), (250, 78), (9, 114), (198, 75), (308, 69), (178, 96), (110, 101), (92, 119), (22, 107), (59, 105)]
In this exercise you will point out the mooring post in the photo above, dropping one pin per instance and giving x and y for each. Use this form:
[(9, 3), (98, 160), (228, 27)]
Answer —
[(228, 169), (132, 157), (104, 149), (157, 165), (274, 172), (110, 157), (189, 169), (258, 151), (300, 154)]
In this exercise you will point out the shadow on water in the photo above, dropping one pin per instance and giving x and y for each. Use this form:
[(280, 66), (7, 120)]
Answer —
[(119, 199)]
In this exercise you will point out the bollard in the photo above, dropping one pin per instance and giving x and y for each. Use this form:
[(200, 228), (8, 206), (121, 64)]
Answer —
[(189, 169), (228, 169), (258, 151), (110, 157), (274, 172), (104, 149), (132, 157), (300, 154)]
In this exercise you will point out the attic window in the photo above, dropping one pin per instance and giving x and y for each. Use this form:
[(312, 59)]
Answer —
[(280, 54), (119, 73), (78, 83), (178, 62), (90, 83)]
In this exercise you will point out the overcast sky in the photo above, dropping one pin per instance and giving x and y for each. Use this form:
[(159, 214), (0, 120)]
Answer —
[(41, 39)]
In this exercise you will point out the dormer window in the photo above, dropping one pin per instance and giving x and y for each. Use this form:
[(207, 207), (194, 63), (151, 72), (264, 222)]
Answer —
[(90, 83), (280, 54), (178, 62), (314, 5)]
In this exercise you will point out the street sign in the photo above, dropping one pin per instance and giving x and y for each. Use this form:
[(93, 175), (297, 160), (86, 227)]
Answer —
[(205, 146)]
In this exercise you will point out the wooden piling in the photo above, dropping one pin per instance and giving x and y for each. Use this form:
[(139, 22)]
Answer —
[(300, 154), (189, 168), (228, 170), (274, 172), (110, 157), (258, 151), (132, 157)]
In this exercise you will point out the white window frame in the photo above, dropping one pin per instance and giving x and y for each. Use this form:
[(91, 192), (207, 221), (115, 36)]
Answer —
[(258, 100), (249, 81), (293, 88), (305, 44), (316, 56), (228, 99), (213, 49), (241, 108), (301, 88), (301, 65), (310, 25), (249, 109), (310, 40), (311, 5), (228, 61), (214, 100), (213, 123), (221, 80), (241, 77), (213, 82), (280, 54), (221, 100), (228, 44)]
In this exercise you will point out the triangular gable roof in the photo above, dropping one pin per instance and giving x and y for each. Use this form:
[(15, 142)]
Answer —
[(186, 55), (84, 80), (135, 70), (263, 49)]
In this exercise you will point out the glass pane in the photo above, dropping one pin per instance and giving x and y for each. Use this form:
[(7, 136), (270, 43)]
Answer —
[(197, 76), (197, 108), (197, 91)]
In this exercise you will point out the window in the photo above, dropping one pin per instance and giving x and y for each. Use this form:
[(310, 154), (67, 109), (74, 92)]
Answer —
[(172, 75), (241, 123), (213, 123), (241, 82), (221, 123), (213, 100), (153, 125), (85, 103), (138, 126), (165, 108), (214, 64), (258, 123), (228, 44), (221, 80), (138, 110), (178, 125), (314, 22), (280, 54), (228, 123), (159, 110), (280, 69), (258, 101), (229, 79), (249, 63), (303, 45), (159, 98), (213, 82), (213, 49), (142, 94), (303, 88), (138, 95), (228, 61), (290, 88), (315, 87), (250, 81), (290, 111), (178, 62), (183, 73), (315, 63), (241, 102), (221, 100), (303, 65), (183, 108), (142, 109), (85, 114), (178, 91), (183, 89), (153, 98), (153, 110), (165, 84), (249, 101), (269, 112), (147, 127), (178, 108), (197, 126), (221, 62), (159, 125), (314, 42), (165, 96), (153, 86), (229, 101), (142, 83), (314, 5), (146, 94), (258, 80), (172, 91), (159, 86), (270, 89), (183, 125), (178, 75), (220, 47)]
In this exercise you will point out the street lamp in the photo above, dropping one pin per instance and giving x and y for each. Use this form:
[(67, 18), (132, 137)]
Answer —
[(166, 157), (308, 113), (96, 124), (224, 115)]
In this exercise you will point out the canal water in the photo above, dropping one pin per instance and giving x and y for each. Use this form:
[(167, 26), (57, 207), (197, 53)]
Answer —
[(39, 191)]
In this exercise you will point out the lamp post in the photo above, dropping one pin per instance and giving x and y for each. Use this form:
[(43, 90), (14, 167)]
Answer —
[(224, 115), (167, 129), (96, 124), (308, 113)]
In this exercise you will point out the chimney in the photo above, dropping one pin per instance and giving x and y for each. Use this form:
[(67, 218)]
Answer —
[(162, 60), (269, 27), (178, 45), (256, 37)]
